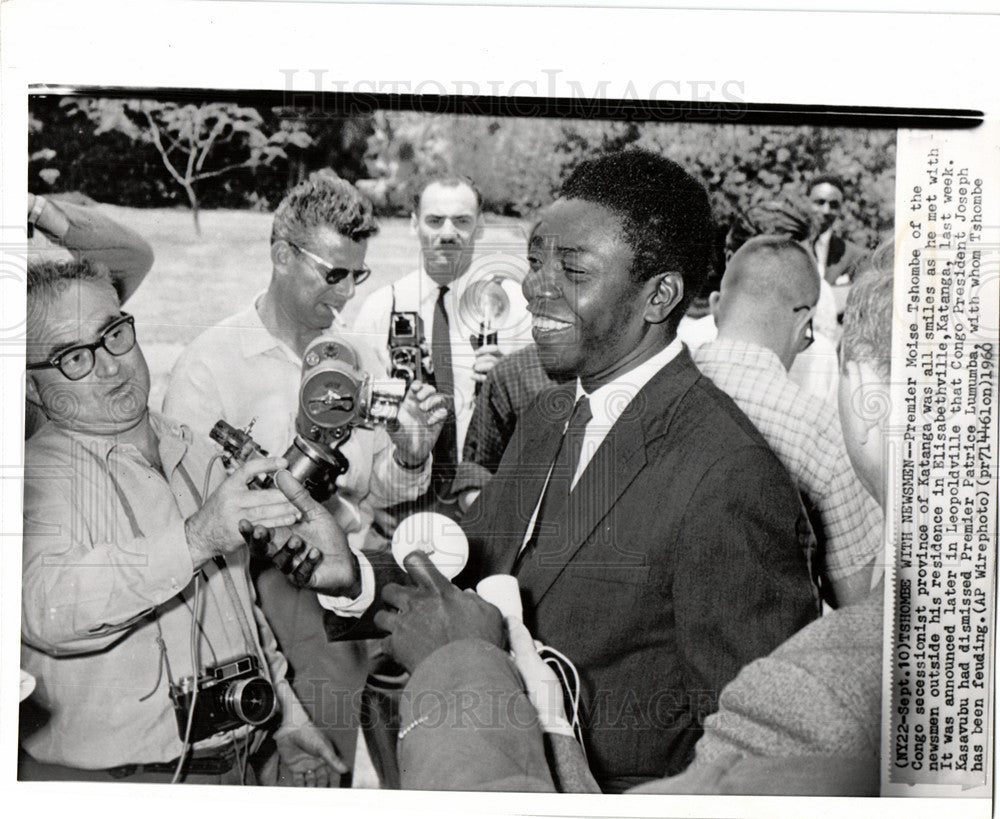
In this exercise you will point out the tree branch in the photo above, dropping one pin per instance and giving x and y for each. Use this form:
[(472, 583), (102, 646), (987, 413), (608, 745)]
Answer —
[(209, 174), (154, 131)]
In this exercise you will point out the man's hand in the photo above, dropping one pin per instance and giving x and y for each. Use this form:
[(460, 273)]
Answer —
[(418, 423), (432, 614), (487, 357), (307, 756), (214, 529), (316, 554)]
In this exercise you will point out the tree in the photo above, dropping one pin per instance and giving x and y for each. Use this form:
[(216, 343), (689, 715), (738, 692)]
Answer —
[(187, 136)]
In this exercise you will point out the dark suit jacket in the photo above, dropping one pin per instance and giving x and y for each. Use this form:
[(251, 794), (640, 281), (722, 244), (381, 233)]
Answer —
[(843, 258), (679, 558)]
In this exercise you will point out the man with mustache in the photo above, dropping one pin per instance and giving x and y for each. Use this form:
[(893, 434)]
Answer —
[(447, 220), (656, 539)]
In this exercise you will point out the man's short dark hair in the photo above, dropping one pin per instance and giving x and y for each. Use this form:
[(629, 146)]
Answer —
[(324, 200), (826, 179), (665, 214), (449, 180)]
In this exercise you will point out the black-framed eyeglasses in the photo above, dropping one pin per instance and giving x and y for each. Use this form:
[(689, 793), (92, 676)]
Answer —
[(333, 275), (807, 337), (78, 361)]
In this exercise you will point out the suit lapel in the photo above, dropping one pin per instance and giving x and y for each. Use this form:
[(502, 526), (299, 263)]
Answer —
[(617, 462), (615, 466), (521, 476)]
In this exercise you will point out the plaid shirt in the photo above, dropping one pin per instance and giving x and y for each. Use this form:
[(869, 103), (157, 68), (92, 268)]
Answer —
[(805, 435), (508, 390)]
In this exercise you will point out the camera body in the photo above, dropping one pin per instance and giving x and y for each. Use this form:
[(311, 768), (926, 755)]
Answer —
[(335, 396), (407, 346), (229, 695)]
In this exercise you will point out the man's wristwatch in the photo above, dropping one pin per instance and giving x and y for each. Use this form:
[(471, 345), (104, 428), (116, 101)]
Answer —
[(36, 210)]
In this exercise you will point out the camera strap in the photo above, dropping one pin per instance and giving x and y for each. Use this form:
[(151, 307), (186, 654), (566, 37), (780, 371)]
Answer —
[(223, 567), (241, 616)]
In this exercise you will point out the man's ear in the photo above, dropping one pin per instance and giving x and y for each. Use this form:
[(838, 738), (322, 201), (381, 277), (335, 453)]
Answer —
[(281, 253), (864, 382), (480, 226), (414, 223), (713, 305), (31, 390), (667, 292)]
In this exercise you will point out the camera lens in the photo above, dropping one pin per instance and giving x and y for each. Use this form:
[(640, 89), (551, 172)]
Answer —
[(251, 701)]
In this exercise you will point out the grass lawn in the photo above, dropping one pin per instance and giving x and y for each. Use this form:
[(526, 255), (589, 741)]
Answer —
[(198, 281)]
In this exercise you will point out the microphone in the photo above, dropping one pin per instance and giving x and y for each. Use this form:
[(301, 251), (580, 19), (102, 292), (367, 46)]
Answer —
[(438, 536), (503, 592)]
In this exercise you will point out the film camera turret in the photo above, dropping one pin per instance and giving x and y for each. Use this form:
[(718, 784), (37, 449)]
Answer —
[(335, 396)]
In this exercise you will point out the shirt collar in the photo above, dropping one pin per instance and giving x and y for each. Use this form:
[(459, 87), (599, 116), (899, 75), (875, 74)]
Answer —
[(742, 353), (609, 401), (172, 443), (255, 339), (429, 288)]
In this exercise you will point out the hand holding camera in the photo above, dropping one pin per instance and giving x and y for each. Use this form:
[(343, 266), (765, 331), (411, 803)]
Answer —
[(418, 424), (213, 529), (314, 551), (487, 357)]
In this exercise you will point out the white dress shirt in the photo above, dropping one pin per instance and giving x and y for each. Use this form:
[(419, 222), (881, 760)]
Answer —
[(417, 292), (239, 372), (607, 404)]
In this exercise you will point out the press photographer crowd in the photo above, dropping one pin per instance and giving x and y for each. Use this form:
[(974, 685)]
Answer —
[(601, 514)]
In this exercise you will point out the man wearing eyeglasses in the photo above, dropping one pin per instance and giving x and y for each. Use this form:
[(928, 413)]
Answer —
[(133, 565), (248, 369), (764, 313)]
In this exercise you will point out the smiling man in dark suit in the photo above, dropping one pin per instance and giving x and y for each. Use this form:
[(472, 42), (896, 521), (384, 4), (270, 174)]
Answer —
[(656, 539)]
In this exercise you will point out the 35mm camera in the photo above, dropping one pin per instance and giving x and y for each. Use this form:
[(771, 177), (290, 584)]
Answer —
[(229, 695)]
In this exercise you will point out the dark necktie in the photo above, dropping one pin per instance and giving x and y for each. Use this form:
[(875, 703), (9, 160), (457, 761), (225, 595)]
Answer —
[(446, 449), (564, 467)]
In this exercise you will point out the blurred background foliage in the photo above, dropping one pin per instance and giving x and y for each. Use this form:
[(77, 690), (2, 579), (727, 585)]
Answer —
[(102, 149)]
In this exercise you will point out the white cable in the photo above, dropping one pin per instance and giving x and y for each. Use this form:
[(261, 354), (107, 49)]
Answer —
[(559, 663)]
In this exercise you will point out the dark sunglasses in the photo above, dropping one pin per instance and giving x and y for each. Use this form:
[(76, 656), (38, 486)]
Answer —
[(333, 275), (78, 361)]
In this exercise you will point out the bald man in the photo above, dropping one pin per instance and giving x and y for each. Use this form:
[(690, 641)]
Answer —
[(764, 313)]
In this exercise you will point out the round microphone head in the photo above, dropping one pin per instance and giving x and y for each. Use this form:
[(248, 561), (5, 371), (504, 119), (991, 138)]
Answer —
[(503, 592), (27, 685), (438, 536)]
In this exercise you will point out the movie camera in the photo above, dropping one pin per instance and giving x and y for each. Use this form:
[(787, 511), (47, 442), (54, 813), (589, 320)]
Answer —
[(335, 396)]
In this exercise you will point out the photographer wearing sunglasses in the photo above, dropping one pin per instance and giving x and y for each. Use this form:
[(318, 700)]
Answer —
[(249, 367)]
